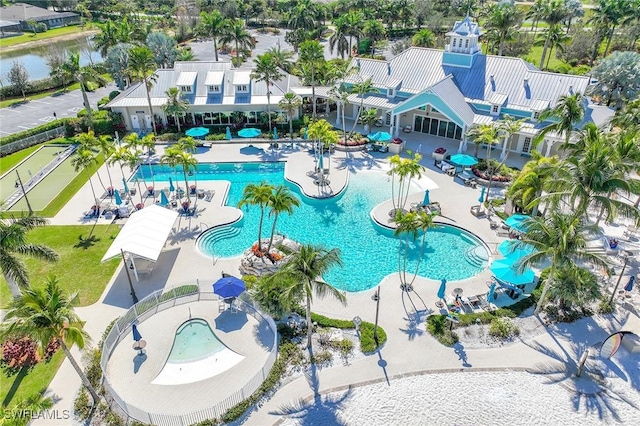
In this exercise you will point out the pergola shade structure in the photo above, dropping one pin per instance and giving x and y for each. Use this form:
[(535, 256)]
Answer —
[(144, 235)]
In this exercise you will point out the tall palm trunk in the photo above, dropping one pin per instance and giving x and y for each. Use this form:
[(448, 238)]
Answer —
[(87, 105), (186, 183), (273, 231), (545, 289), (313, 90), (260, 227), (177, 117), (13, 285), (606, 49), (153, 120), (83, 377), (544, 51), (269, 105), (215, 47), (108, 171), (309, 324)]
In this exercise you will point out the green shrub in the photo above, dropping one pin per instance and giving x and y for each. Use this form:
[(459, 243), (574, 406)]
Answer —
[(503, 328), (367, 343), (113, 94), (93, 369), (82, 405), (169, 137), (605, 307), (39, 129), (345, 347), (216, 137), (438, 327), (321, 358), (292, 353)]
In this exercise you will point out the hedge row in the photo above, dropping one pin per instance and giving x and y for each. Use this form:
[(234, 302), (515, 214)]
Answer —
[(39, 129)]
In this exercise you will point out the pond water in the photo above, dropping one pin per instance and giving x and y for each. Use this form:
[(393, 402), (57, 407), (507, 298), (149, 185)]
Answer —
[(35, 61)]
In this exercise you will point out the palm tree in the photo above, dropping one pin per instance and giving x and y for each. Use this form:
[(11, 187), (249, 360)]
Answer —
[(45, 315), (176, 156), (507, 126), (375, 32), (536, 13), (554, 13), (338, 39), (554, 36), (84, 159), (567, 113), (354, 24), (257, 195), (403, 170), (323, 132), (303, 272), (108, 37), (281, 200), (527, 188), (236, 33), (120, 155), (142, 66), (36, 403), (266, 70), (312, 55), (213, 25), (609, 14), (341, 94), (90, 142), (483, 134), (303, 15), (83, 75), (424, 38), (411, 225), (361, 89), (13, 243), (628, 116), (282, 58), (175, 105), (503, 21), (574, 285), (559, 239), (290, 104)]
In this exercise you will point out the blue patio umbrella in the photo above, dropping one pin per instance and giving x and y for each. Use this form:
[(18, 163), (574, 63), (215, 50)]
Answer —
[(379, 136), (517, 222), (463, 160), (126, 188), (197, 132), (514, 250), (163, 199), (228, 134), (481, 198), (321, 162), (116, 195), (275, 133), (136, 334), (442, 289), (227, 287), (506, 270), (492, 292), (249, 132), (171, 187), (305, 136), (629, 285), (425, 200)]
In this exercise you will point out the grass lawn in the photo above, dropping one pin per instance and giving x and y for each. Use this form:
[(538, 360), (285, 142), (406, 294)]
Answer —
[(536, 53), (28, 382), (27, 37), (79, 268)]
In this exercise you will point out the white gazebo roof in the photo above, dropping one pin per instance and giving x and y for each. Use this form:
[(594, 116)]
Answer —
[(144, 234)]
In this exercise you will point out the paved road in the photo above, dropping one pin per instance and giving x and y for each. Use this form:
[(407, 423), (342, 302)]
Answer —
[(34, 113)]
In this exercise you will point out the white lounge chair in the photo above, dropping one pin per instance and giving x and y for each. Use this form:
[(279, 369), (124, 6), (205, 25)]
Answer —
[(209, 195)]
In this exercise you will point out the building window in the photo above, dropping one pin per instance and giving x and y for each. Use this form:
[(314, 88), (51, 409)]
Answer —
[(391, 93), (434, 110), (242, 88), (495, 109), (186, 89), (466, 43), (527, 145), (536, 115), (214, 89), (454, 42)]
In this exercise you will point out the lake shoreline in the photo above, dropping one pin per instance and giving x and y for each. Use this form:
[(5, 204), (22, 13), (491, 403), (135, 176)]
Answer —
[(45, 41)]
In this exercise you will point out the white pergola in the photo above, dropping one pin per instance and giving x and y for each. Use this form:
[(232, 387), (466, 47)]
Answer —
[(143, 236)]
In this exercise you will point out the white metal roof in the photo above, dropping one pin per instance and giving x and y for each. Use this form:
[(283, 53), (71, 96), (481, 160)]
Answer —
[(214, 78), (186, 78), (144, 234), (539, 105), (241, 77)]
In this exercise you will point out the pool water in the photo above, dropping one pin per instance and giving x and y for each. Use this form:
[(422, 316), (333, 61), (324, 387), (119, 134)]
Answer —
[(194, 340), (368, 251)]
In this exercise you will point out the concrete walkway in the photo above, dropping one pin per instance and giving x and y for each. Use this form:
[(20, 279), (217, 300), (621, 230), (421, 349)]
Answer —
[(409, 348)]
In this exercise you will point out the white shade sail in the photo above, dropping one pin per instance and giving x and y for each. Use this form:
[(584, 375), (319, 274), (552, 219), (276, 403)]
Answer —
[(144, 234)]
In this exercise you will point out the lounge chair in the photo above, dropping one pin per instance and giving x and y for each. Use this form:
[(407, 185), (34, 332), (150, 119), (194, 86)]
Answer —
[(209, 195), (445, 167), (484, 304), (467, 179)]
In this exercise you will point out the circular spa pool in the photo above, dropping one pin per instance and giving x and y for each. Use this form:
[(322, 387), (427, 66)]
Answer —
[(369, 252)]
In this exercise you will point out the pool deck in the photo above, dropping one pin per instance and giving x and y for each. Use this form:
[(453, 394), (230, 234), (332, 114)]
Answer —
[(409, 348)]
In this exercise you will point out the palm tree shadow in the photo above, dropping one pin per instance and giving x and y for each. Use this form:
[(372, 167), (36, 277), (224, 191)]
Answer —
[(415, 315), (591, 391), (86, 243), (354, 164)]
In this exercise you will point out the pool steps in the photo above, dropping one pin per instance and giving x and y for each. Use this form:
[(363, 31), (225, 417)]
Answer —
[(477, 256)]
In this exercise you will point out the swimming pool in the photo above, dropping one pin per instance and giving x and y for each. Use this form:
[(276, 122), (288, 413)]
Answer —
[(196, 355), (369, 252), (194, 340)]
